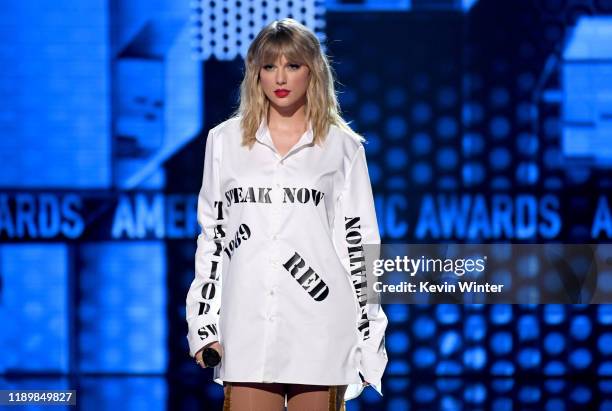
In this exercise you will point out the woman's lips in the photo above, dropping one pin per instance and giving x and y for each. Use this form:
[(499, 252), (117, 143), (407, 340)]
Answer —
[(281, 93)]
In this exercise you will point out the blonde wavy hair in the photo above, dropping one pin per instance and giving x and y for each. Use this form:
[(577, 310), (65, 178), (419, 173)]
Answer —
[(299, 45)]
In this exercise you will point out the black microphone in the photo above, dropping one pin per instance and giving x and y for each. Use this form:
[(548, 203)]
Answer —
[(211, 357)]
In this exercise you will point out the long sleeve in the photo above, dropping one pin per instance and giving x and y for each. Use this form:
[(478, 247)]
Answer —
[(355, 226), (204, 296)]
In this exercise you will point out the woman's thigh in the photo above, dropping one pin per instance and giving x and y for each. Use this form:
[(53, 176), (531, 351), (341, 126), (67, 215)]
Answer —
[(251, 396), (315, 397)]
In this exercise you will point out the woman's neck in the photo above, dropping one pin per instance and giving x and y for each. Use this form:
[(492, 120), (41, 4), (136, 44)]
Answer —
[(287, 119)]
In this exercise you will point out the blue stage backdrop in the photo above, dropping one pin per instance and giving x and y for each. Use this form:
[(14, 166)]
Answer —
[(486, 121)]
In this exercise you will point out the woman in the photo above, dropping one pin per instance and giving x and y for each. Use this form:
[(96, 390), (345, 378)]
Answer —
[(285, 208)]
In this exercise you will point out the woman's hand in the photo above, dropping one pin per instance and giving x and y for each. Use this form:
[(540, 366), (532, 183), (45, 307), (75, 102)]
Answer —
[(215, 345)]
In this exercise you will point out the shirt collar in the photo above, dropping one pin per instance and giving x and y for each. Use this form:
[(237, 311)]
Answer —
[(263, 136)]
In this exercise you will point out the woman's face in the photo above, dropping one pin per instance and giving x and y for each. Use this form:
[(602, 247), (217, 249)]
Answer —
[(285, 82)]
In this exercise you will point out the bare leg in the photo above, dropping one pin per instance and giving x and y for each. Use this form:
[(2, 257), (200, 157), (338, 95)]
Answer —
[(249, 396), (315, 397)]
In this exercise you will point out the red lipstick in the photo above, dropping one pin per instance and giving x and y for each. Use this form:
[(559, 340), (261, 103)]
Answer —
[(281, 92)]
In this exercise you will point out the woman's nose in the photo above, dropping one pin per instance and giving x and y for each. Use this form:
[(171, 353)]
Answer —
[(281, 78)]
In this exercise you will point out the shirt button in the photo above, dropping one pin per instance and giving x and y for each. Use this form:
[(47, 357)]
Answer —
[(275, 237), (271, 318), (271, 292)]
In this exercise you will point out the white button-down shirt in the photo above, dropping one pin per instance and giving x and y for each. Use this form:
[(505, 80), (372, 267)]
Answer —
[(279, 269)]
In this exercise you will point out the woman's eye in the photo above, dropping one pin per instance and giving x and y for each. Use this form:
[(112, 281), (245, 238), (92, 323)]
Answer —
[(268, 67), (294, 66)]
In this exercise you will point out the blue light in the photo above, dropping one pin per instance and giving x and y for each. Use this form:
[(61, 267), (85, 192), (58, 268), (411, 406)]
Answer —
[(447, 313), (448, 183), (474, 328), (528, 328), (501, 343), (501, 314), (422, 173), (423, 357), (33, 308), (369, 112), (527, 144), (373, 143), (424, 394), (472, 144), (448, 368), (529, 394), (397, 313), (395, 97), (604, 343), (421, 143), (449, 342), (499, 158), (502, 368), (502, 404), (421, 113), (232, 35), (472, 173), (554, 385), (398, 404), (502, 385), (397, 384), (580, 327), (472, 113), (449, 385), (397, 342), (555, 368), (117, 294), (447, 158), (447, 97), (448, 403), (604, 314), (396, 183), (475, 358), (581, 394), (396, 158), (529, 357), (555, 404), (605, 369), (499, 97), (396, 127), (475, 393), (499, 127), (554, 343), (527, 173), (555, 314), (526, 81), (397, 367), (374, 172), (580, 358), (446, 127), (423, 327)]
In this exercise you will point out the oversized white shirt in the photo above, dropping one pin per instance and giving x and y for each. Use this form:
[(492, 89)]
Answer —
[(279, 270)]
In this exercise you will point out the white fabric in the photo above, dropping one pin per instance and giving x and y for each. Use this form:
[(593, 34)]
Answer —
[(282, 238)]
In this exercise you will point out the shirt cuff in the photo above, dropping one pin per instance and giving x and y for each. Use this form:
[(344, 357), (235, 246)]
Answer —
[(372, 367), (196, 343)]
